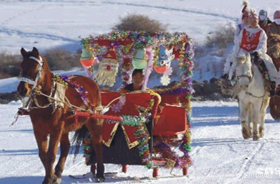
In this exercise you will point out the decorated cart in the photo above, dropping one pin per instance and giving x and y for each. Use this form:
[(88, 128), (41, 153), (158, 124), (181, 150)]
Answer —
[(152, 127)]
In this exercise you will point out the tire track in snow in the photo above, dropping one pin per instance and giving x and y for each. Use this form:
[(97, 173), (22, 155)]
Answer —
[(174, 9), (36, 35), (32, 35), (247, 163)]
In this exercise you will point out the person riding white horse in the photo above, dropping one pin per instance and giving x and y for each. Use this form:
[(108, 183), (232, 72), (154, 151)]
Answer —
[(253, 40), (244, 23), (253, 98)]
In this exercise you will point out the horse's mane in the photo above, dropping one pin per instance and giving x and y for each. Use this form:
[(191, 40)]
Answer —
[(242, 59)]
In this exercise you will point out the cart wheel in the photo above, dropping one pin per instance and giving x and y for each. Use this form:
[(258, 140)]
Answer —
[(124, 168), (155, 172), (185, 171), (92, 169)]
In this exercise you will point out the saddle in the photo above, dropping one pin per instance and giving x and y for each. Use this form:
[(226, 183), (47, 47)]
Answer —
[(261, 66), (259, 62)]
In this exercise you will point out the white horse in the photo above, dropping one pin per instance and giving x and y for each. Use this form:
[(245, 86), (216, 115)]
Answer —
[(253, 98)]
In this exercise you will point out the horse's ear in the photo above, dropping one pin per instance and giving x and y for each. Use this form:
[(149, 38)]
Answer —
[(23, 51), (35, 52)]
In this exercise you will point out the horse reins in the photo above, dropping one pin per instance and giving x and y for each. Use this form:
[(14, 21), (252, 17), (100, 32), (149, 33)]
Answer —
[(37, 91), (240, 76), (30, 81), (250, 80), (248, 93)]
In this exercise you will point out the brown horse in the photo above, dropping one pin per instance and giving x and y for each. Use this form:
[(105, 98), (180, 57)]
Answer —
[(273, 51), (53, 118)]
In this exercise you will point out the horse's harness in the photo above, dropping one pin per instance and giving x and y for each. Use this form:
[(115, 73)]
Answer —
[(36, 90), (34, 84), (30, 81), (250, 80), (248, 76)]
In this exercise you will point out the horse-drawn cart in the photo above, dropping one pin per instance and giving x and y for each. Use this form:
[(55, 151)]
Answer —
[(153, 123), (142, 127)]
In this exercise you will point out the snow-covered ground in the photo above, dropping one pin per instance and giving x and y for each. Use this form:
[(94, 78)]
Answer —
[(220, 155)]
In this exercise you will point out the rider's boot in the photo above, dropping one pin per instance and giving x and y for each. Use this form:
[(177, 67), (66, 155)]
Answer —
[(225, 76), (272, 88), (277, 91)]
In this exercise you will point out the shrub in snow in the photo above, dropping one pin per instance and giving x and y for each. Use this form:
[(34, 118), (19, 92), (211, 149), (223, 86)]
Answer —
[(9, 65), (223, 36), (59, 59), (139, 23)]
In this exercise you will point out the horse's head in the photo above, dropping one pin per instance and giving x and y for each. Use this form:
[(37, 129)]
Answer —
[(273, 44), (243, 71), (31, 69)]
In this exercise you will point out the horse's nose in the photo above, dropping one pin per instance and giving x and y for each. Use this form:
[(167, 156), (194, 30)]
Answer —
[(22, 90), (244, 87)]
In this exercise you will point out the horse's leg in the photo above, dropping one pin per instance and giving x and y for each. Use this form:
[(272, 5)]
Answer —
[(250, 119), (95, 128), (64, 149), (261, 127), (42, 143), (243, 119), (50, 177), (256, 120), (262, 116)]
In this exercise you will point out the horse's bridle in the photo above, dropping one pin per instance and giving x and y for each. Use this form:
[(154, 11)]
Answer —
[(250, 80), (29, 80), (240, 76)]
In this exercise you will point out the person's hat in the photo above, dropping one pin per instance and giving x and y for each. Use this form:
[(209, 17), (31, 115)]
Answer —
[(253, 15), (263, 12), (277, 14), (111, 54), (245, 10)]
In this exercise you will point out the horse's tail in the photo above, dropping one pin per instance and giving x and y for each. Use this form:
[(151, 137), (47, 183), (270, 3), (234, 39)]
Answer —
[(77, 139)]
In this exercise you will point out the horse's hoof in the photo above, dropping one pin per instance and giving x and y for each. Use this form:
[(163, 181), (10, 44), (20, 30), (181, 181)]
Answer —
[(256, 138), (246, 137), (57, 181), (245, 134), (99, 180), (48, 181), (261, 130)]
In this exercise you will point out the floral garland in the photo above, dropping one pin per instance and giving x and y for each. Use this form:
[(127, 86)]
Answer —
[(162, 147), (87, 145), (141, 39), (141, 134), (80, 89)]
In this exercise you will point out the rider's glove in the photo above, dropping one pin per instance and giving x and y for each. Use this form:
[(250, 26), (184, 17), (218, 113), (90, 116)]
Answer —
[(255, 54), (224, 76)]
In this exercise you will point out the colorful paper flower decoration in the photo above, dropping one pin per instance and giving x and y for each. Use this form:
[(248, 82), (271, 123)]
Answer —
[(165, 80)]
